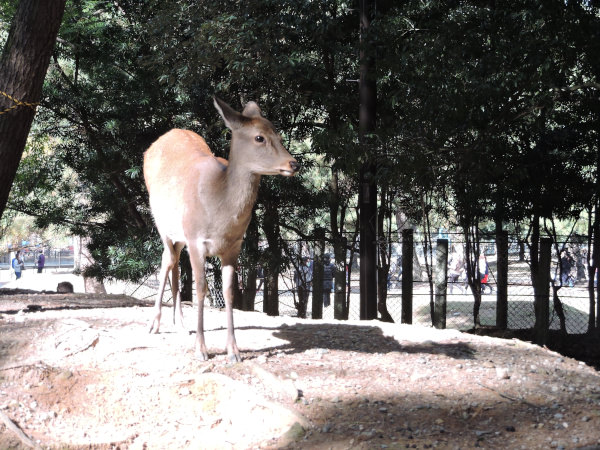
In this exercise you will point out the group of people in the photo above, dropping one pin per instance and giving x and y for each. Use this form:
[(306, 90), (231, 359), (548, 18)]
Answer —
[(572, 266), (457, 272), (303, 279), (18, 265)]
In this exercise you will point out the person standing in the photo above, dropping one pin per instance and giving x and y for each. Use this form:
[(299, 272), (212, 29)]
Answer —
[(456, 269), (41, 261), (17, 264), (328, 274), (484, 273)]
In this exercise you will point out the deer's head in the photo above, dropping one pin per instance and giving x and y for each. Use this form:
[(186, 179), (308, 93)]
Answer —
[(255, 143)]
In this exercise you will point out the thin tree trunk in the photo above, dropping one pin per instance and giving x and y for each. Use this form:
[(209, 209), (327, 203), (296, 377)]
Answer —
[(593, 265), (271, 229), (23, 68), (251, 275), (385, 256), (186, 279), (367, 197)]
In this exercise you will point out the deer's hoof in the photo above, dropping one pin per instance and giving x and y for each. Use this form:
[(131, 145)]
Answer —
[(234, 357), (202, 356)]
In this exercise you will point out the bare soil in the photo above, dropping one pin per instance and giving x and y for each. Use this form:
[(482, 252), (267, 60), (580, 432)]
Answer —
[(80, 371)]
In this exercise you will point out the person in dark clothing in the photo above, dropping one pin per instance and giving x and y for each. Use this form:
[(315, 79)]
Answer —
[(41, 261), (328, 274), (566, 266)]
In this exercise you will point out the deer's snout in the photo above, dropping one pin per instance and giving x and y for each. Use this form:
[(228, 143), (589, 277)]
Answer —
[(291, 169)]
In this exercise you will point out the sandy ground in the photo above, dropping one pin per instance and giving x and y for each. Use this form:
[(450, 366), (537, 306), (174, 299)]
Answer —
[(82, 371), (48, 280)]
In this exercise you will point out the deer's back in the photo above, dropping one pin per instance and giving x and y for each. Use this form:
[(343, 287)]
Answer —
[(177, 167)]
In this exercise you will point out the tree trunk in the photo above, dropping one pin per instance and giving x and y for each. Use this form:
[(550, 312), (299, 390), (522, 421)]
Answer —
[(271, 229), (340, 244), (317, 275), (502, 278), (251, 271), (271, 297), (23, 67), (249, 291), (385, 255), (542, 292), (558, 308), (367, 196), (340, 311), (91, 284), (472, 252), (534, 255), (593, 269), (186, 279)]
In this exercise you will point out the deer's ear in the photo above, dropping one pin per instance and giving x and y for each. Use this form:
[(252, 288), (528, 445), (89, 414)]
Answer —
[(232, 118), (251, 110)]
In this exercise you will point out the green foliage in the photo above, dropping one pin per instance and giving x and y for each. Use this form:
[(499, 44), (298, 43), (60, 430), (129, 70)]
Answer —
[(486, 111)]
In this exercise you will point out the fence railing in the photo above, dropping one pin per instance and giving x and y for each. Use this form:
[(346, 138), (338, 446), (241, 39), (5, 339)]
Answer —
[(459, 298)]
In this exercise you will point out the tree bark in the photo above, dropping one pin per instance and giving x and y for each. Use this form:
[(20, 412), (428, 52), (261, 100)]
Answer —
[(186, 279), (367, 197), (84, 259), (271, 229), (23, 67), (385, 255)]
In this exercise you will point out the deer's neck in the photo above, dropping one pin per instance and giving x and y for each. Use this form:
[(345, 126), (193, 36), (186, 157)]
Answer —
[(241, 189)]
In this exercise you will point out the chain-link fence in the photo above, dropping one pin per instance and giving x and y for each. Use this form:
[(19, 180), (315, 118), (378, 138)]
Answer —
[(573, 293)]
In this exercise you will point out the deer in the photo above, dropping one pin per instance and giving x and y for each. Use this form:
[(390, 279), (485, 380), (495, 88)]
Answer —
[(205, 202)]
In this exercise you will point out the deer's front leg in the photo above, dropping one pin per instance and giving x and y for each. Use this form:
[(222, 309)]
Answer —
[(228, 270), (198, 259)]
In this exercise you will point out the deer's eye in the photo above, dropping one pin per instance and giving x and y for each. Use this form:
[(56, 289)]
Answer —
[(259, 139)]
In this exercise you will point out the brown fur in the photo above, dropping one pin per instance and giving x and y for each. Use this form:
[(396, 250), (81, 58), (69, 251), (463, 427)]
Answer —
[(206, 202)]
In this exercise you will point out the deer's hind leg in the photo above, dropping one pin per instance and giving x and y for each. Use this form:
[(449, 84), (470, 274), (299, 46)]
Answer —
[(169, 261), (177, 311)]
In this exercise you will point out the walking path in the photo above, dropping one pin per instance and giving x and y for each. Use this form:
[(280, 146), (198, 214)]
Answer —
[(45, 281)]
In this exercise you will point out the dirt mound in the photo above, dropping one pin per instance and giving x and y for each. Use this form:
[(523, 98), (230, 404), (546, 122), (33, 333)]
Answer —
[(75, 377)]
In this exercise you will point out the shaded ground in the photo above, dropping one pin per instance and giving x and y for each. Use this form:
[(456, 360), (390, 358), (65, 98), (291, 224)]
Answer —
[(75, 373)]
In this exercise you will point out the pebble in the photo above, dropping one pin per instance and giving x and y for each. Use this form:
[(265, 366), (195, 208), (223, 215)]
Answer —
[(295, 433), (502, 373), (184, 391), (367, 435)]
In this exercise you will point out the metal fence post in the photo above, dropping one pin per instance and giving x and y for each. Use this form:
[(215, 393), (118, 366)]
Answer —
[(542, 298), (407, 276), (502, 281), (339, 300), (441, 283), (317, 278)]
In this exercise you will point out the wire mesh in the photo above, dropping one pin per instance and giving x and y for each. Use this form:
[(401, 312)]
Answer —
[(573, 294)]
